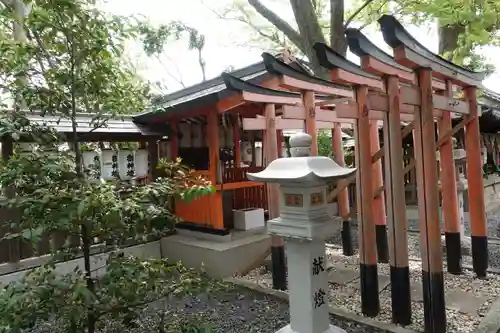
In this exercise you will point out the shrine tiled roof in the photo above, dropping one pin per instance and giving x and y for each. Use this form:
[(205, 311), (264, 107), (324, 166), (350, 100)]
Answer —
[(205, 93)]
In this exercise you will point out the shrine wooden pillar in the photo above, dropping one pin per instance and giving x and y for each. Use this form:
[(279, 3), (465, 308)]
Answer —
[(216, 216), (396, 207), (174, 140), (378, 208), (273, 197), (477, 213), (310, 110), (279, 143), (237, 145), (153, 159), (370, 304), (251, 139), (449, 193), (343, 196), (428, 206), (213, 145)]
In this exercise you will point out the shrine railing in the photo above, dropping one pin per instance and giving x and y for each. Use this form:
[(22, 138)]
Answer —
[(250, 197), (235, 175)]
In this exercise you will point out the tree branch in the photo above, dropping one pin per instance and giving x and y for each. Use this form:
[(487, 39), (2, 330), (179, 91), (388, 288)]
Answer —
[(6, 2), (279, 23), (338, 40), (34, 35), (248, 21), (356, 13)]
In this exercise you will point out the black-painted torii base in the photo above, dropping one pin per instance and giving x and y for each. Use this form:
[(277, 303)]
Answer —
[(278, 267)]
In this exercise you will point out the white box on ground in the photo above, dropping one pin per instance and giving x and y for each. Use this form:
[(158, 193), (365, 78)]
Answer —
[(249, 218), (332, 209)]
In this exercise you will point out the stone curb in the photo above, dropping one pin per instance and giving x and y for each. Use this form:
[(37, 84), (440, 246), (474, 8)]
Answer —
[(336, 312), (490, 322)]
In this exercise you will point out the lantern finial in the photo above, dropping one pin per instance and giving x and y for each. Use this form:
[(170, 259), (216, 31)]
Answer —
[(300, 145)]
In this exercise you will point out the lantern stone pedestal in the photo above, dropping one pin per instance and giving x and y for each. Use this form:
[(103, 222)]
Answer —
[(304, 223)]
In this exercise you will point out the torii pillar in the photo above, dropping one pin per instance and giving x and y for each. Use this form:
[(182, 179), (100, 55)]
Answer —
[(478, 224), (343, 196), (452, 226), (378, 208), (277, 244)]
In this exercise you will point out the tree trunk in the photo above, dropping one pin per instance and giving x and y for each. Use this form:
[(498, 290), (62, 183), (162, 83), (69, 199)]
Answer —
[(448, 38), (338, 40), (310, 32)]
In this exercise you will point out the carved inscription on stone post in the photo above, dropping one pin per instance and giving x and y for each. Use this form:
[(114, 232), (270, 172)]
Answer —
[(317, 269)]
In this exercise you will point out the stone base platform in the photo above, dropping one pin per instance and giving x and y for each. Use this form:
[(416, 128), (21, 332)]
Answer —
[(332, 329), (219, 256)]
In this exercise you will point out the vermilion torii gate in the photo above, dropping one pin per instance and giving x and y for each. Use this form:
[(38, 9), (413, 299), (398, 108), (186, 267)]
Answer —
[(423, 74), (415, 86)]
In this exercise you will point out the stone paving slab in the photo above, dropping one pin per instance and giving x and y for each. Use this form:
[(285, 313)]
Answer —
[(456, 299), (342, 276), (383, 282), (491, 322), (416, 292), (463, 302)]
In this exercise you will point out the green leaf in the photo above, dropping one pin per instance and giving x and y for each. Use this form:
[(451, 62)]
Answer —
[(81, 208)]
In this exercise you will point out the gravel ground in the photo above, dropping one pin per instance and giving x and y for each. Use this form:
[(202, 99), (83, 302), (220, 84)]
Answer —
[(236, 310), (348, 296), (492, 217), (414, 249)]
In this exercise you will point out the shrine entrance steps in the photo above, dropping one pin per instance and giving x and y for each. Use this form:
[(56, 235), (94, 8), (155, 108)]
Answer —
[(218, 256)]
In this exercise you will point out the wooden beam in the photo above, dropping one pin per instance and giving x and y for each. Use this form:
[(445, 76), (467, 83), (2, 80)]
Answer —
[(352, 213), (376, 67), (294, 84), (410, 104), (324, 124), (412, 59), (270, 99), (255, 124), (342, 76), (297, 112), (442, 139), (349, 180), (349, 111), (341, 185), (333, 101), (404, 133), (447, 103), (228, 103)]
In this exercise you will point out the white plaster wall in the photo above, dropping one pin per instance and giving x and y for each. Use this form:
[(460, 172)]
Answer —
[(148, 250)]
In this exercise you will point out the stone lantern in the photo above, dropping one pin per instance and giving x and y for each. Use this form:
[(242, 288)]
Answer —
[(304, 224), (459, 157)]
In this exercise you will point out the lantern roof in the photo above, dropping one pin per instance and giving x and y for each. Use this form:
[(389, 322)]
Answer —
[(301, 167)]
